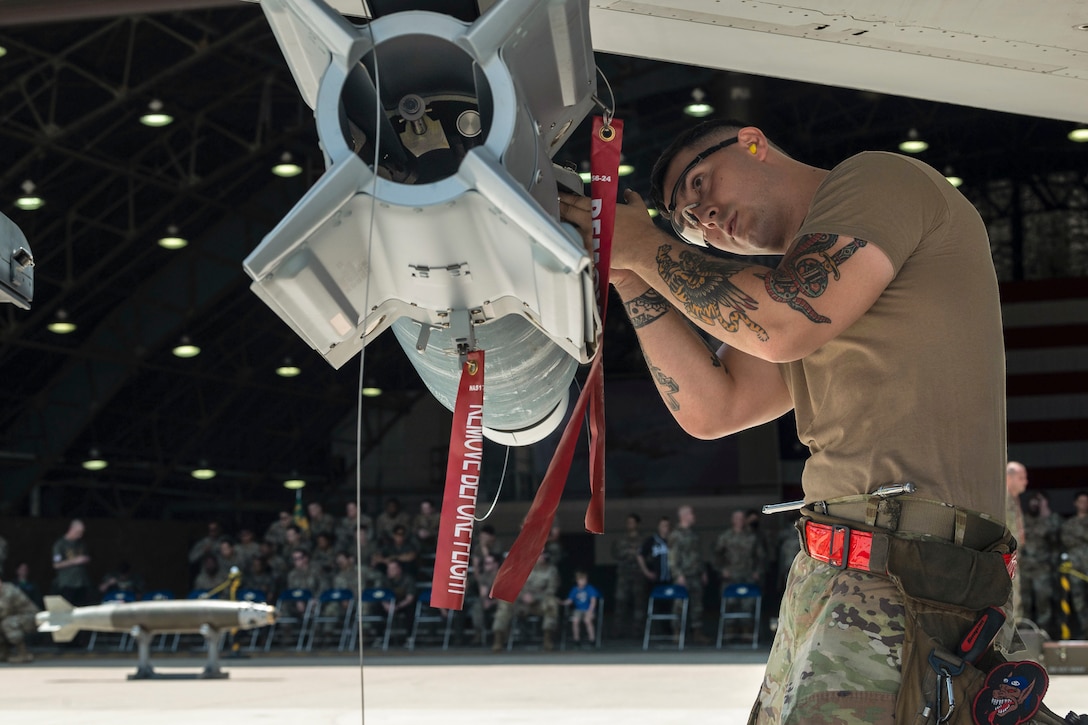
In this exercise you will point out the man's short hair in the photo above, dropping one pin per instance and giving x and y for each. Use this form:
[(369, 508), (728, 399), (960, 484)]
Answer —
[(691, 137)]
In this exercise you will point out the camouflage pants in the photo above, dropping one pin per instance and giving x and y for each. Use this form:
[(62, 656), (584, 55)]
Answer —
[(546, 607), (1037, 590), (837, 655), (694, 585), (629, 600), (13, 629)]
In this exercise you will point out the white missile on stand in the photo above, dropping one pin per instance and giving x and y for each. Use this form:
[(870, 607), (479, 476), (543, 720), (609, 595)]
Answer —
[(208, 617)]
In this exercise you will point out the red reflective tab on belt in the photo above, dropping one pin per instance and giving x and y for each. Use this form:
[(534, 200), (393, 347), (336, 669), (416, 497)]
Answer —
[(827, 543)]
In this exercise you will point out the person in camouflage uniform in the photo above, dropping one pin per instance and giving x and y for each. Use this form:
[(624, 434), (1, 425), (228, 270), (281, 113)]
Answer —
[(303, 575), (348, 526), (538, 597), (738, 555), (320, 522), (686, 564), (1016, 482), (276, 534), (1075, 544), (16, 621), (1038, 559), (425, 526), (739, 558), (629, 596), (482, 603)]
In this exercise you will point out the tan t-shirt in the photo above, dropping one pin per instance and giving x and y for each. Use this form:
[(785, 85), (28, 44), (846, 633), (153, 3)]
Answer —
[(915, 389)]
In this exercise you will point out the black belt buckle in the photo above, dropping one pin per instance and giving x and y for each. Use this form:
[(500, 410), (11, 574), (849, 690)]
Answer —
[(844, 559)]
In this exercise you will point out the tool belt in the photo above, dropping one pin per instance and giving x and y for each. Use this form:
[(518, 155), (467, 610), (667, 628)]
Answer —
[(948, 563), (934, 552)]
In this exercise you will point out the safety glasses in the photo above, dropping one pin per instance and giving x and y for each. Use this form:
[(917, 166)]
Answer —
[(683, 220)]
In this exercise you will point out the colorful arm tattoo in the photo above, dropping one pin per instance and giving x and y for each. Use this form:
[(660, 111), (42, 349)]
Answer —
[(702, 286), (807, 271)]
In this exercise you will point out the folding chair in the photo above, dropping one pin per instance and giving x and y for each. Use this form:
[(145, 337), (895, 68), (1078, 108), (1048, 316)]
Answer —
[(524, 627), (370, 611), (116, 597), (743, 595), (341, 618), (669, 594), (426, 614), (287, 613)]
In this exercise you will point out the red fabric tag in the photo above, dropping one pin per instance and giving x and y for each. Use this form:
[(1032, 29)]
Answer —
[(462, 484), (604, 168)]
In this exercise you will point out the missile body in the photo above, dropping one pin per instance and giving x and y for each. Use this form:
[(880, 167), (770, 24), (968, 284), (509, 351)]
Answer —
[(64, 621)]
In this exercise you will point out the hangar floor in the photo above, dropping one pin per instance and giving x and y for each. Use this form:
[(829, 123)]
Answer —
[(400, 688)]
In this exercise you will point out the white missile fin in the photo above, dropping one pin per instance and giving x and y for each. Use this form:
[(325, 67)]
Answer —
[(55, 603)]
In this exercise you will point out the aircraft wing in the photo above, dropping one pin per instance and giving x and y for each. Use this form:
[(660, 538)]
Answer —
[(1002, 55)]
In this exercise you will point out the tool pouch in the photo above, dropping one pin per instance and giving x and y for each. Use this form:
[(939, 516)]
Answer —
[(937, 686), (947, 575)]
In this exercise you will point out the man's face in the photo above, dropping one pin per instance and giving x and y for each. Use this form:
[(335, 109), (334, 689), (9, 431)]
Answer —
[(1081, 504), (392, 569), (632, 524), (738, 520), (663, 529), (1016, 480), (300, 560), (726, 195), (351, 509)]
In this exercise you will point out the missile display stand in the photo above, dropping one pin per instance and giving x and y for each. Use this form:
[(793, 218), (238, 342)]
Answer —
[(213, 638)]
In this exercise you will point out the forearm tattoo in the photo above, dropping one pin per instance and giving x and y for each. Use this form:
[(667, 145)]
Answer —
[(701, 284), (667, 386), (646, 308), (807, 271)]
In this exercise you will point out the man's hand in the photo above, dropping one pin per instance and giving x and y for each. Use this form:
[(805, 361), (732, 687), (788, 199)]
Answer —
[(632, 223)]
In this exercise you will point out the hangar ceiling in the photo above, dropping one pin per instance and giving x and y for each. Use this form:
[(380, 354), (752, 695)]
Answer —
[(74, 80)]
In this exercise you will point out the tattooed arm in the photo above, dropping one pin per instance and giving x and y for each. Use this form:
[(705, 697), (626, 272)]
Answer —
[(711, 394), (823, 284)]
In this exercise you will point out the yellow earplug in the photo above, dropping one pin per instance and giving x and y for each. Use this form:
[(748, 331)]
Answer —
[(752, 148)]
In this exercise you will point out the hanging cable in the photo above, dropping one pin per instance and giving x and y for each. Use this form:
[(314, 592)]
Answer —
[(502, 478), (362, 368), (609, 111)]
